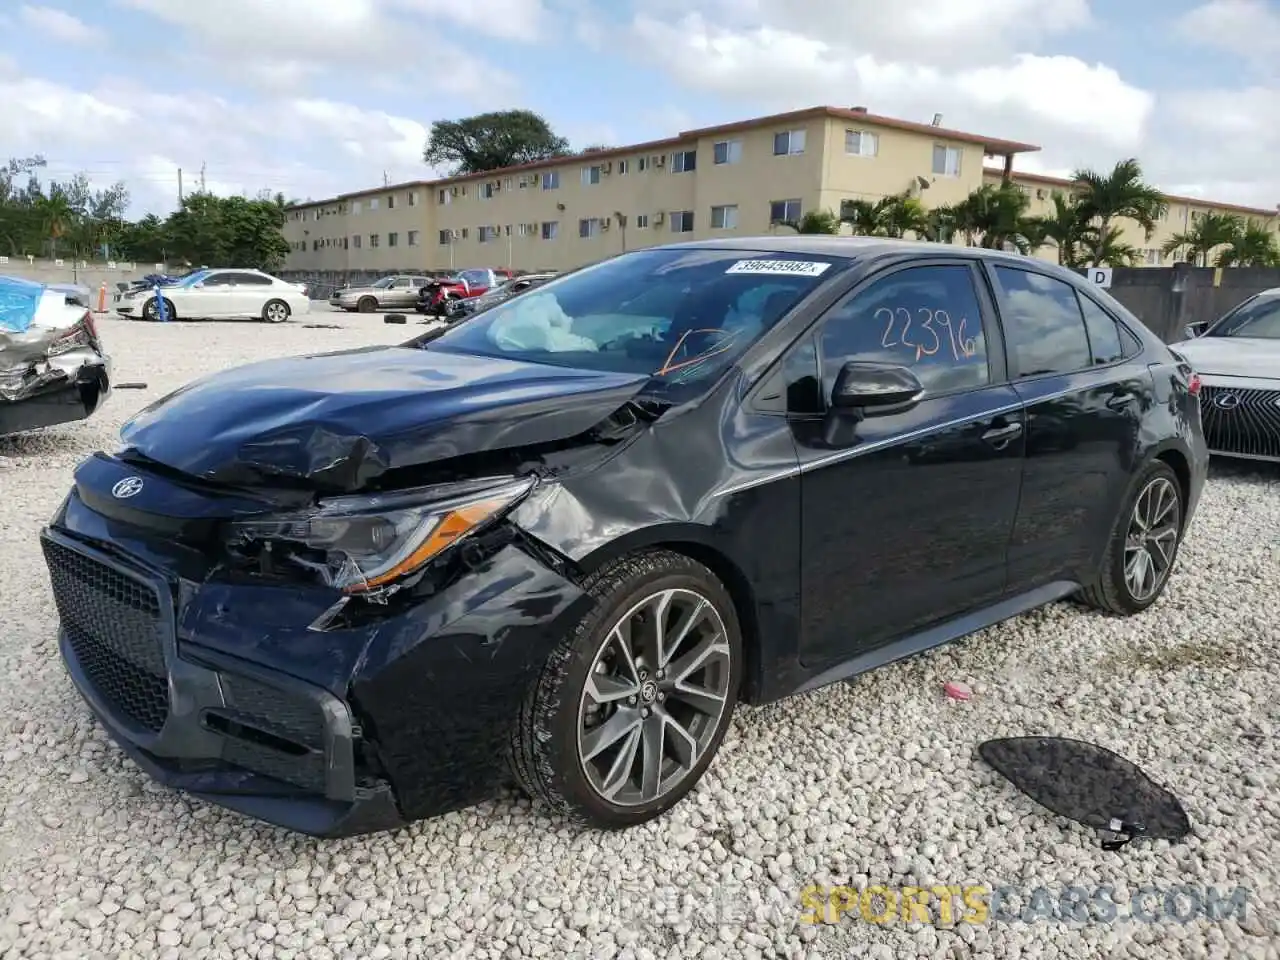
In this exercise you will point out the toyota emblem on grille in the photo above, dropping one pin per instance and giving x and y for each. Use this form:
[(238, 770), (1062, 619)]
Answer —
[(128, 487), (1226, 401)]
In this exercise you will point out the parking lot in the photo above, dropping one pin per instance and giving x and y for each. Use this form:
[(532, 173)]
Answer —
[(872, 782)]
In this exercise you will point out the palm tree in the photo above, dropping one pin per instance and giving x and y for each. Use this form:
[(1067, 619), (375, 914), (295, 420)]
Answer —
[(817, 221), (1254, 245), (1067, 228), (1108, 250), (56, 217), (996, 218), (1121, 193), (1208, 232), (894, 215)]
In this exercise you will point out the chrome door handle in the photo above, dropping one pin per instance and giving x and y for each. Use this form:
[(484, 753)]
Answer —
[(999, 436)]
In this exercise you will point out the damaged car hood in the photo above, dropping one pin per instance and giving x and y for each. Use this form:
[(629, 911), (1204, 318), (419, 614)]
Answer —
[(336, 421), (40, 346)]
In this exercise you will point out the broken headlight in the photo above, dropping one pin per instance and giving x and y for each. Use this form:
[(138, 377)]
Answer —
[(367, 544)]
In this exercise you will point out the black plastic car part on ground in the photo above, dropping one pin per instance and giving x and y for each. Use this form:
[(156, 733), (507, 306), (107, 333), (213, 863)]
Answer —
[(563, 538)]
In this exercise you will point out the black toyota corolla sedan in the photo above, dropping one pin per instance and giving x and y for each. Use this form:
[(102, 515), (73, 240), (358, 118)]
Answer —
[(565, 538)]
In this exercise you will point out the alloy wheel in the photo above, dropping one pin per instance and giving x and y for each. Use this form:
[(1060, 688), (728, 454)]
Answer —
[(654, 697), (277, 313), (1151, 541)]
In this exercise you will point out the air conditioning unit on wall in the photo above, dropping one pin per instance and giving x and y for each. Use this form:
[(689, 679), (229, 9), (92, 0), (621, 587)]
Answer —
[(658, 218)]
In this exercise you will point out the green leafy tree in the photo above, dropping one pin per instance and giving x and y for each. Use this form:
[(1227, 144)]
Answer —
[(1208, 232), (1120, 193), (995, 217), (1107, 249), (1067, 228), (1253, 245), (816, 221), (895, 215), (488, 141)]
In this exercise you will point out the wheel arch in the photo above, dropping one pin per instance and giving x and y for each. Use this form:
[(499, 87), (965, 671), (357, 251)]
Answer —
[(1180, 464), (698, 544)]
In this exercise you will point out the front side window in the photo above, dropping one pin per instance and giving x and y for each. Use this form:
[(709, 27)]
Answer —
[(1256, 317), (926, 318), (679, 316), (1043, 326)]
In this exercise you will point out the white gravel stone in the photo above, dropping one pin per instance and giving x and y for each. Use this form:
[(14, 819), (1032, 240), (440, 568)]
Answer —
[(868, 783)]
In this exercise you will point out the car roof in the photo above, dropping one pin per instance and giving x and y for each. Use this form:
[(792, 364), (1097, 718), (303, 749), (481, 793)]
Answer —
[(868, 249)]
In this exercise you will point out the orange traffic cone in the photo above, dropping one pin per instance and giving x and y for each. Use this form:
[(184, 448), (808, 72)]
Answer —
[(102, 298)]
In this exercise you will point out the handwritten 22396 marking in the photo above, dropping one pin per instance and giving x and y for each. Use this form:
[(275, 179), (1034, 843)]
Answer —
[(962, 347)]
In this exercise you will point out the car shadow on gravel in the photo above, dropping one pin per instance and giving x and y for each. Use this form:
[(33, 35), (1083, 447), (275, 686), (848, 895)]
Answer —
[(38, 443)]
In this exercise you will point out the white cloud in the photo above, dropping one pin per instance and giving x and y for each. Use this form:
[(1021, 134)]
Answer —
[(285, 45), (1246, 28), (53, 24), (121, 130)]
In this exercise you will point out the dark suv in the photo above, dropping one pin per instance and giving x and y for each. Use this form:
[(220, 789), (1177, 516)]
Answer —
[(564, 538)]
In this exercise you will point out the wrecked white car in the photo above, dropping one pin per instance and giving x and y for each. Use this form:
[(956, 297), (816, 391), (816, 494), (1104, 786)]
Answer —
[(52, 365)]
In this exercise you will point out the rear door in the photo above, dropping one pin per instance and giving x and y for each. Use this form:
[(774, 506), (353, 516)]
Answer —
[(249, 293), (906, 516), (1085, 388)]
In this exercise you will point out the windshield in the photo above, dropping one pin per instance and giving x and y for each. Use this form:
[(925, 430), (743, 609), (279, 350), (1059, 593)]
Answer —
[(1257, 317), (383, 283), (680, 315), (192, 278)]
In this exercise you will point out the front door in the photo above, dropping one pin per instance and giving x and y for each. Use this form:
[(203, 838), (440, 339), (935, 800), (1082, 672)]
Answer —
[(1085, 390), (906, 517), (210, 298)]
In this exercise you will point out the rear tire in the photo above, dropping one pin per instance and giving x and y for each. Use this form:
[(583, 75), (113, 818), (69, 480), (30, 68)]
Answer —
[(275, 311), (367, 305), (620, 726), (1143, 546)]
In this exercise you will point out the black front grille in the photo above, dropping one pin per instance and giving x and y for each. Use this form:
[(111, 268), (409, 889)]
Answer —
[(113, 624), (294, 745), (1245, 422)]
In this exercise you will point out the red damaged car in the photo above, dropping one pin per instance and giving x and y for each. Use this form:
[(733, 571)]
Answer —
[(442, 296)]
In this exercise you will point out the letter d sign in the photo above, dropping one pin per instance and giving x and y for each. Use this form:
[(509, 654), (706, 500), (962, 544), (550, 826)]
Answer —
[(1101, 276)]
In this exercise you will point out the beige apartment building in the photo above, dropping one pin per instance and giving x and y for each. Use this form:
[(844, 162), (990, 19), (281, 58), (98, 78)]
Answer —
[(733, 179)]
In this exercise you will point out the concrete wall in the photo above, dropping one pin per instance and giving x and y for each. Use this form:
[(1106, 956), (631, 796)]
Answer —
[(1166, 299), (91, 273)]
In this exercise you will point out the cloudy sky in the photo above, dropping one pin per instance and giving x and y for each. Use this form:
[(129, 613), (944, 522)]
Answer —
[(317, 97)]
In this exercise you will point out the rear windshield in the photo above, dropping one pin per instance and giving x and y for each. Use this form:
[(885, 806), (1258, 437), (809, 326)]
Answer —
[(680, 315)]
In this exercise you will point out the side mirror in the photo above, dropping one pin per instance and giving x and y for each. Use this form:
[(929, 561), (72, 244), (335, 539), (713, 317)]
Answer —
[(1193, 330), (863, 388)]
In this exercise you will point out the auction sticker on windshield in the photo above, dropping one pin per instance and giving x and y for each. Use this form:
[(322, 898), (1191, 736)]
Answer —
[(791, 268)]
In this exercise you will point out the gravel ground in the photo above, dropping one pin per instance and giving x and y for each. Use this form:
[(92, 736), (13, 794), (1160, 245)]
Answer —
[(871, 782)]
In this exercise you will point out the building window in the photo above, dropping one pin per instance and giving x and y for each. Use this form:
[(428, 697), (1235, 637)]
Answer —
[(684, 161), (413, 198), (781, 211), (788, 143), (413, 238), (724, 218), (861, 143), (589, 228), (356, 240), (466, 232), (506, 183), (373, 240), (590, 175), (551, 180), (550, 229), (355, 207), (486, 234), (642, 220), (391, 201), (393, 239), (946, 161), (682, 221), (373, 203), (487, 190), (445, 196), (642, 164), (1153, 257), (445, 237), (726, 151), (623, 167)]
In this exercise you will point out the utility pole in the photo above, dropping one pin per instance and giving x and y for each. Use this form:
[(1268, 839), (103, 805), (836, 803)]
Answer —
[(179, 186), (202, 176), (386, 181)]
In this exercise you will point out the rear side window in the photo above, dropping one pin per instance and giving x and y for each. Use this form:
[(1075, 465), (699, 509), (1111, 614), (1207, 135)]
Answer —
[(1043, 326), (250, 280), (927, 318), (1104, 333)]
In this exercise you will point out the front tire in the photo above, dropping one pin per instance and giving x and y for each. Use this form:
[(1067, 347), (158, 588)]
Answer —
[(633, 704), (151, 312), (275, 311), (367, 305), (1143, 546)]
